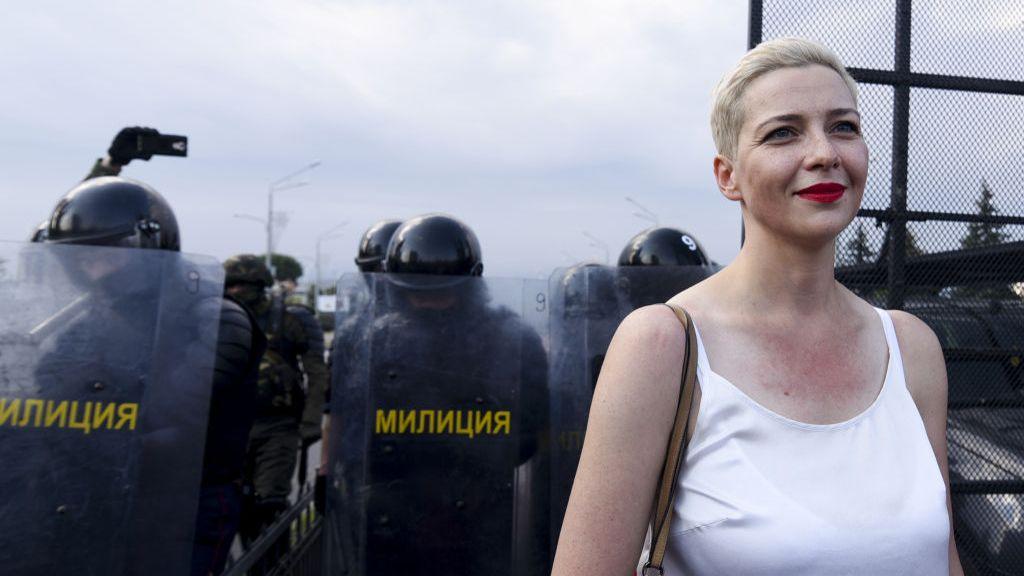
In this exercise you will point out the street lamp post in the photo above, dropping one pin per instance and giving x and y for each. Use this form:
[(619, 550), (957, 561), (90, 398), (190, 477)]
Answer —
[(250, 217), (280, 185)]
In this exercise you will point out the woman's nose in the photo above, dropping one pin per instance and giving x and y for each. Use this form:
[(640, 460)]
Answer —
[(822, 152)]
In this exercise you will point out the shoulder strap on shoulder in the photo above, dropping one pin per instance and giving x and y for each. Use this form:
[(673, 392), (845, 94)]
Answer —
[(676, 452)]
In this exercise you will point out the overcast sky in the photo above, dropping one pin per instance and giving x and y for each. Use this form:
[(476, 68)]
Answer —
[(529, 120)]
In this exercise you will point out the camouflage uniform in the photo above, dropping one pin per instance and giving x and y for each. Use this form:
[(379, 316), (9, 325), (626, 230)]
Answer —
[(274, 441), (281, 400), (313, 364)]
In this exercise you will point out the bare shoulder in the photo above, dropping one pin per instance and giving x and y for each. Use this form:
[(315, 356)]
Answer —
[(917, 339), (650, 331), (646, 352), (923, 362)]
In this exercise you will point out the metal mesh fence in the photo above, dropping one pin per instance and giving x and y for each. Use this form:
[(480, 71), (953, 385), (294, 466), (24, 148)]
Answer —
[(941, 229), (978, 38)]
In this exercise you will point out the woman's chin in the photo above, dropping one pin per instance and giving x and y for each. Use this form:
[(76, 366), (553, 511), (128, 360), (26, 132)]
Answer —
[(812, 231), (828, 226), (816, 235)]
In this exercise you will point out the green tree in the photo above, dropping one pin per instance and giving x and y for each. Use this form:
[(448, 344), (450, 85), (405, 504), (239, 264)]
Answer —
[(910, 247), (984, 233), (980, 234), (285, 267), (858, 249), (913, 249)]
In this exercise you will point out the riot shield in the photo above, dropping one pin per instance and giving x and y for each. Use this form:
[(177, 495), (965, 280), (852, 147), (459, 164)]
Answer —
[(106, 360), (440, 462), (587, 304)]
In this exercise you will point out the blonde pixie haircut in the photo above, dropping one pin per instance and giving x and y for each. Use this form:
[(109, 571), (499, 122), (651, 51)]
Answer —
[(727, 112)]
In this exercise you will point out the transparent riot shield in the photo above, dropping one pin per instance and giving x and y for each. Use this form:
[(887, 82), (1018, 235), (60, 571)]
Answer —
[(349, 359), (440, 462), (106, 359), (587, 304)]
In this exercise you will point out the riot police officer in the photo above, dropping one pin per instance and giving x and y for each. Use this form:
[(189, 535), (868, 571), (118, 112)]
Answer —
[(126, 214), (280, 401), (442, 393), (589, 302), (373, 246), (314, 364), (297, 304)]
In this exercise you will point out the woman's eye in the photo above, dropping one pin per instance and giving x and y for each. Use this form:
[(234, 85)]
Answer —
[(780, 134), (848, 127)]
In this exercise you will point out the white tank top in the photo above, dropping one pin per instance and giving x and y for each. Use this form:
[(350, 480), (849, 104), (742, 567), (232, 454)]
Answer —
[(763, 494)]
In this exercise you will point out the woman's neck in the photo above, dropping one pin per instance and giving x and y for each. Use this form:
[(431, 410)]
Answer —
[(782, 277)]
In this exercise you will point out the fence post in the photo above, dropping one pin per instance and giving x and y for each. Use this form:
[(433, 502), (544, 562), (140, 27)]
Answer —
[(896, 292)]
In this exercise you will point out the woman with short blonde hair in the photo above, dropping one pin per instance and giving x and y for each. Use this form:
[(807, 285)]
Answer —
[(819, 440)]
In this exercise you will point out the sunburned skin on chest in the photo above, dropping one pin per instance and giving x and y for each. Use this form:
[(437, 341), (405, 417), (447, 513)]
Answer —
[(817, 376)]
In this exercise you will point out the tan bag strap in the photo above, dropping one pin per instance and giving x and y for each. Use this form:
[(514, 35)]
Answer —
[(676, 452)]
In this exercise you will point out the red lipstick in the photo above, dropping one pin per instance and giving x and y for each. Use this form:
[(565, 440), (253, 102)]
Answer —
[(825, 192)]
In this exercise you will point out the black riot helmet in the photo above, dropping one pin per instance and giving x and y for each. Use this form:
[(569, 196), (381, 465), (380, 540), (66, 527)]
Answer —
[(114, 211), (434, 244), (663, 247), (39, 234), (373, 247), (581, 284)]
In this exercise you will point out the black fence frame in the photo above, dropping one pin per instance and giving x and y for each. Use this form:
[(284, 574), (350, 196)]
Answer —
[(302, 526)]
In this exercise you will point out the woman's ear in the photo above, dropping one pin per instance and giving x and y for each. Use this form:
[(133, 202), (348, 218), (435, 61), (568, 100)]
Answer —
[(725, 177)]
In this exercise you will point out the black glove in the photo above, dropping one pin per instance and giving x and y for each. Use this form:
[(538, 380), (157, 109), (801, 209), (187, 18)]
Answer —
[(320, 493), (126, 145)]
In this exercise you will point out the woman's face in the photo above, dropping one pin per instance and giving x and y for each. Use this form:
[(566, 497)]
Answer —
[(801, 162)]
